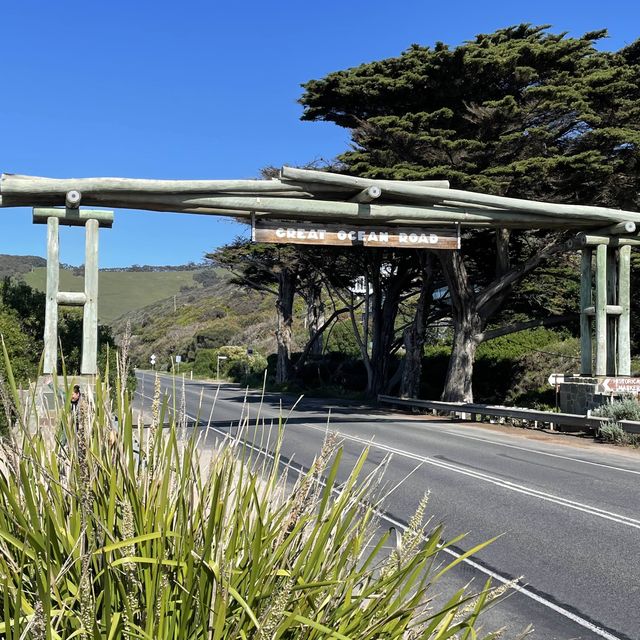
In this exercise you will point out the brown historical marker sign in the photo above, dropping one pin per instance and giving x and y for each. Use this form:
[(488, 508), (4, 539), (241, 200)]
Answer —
[(620, 385), (281, 231)]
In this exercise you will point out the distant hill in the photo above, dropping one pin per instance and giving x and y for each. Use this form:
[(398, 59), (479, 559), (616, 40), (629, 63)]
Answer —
[(19, 265), (221, 313), (171, 310), (120, 292)]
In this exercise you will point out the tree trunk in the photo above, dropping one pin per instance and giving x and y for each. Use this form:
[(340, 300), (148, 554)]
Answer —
[(467, 328), (315, 317), (386, 301), (466, 325), (284, 336), (471, 310), (414, 335)]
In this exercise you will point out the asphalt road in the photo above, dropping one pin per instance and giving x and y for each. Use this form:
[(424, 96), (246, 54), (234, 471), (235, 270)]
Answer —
[(568, 511)]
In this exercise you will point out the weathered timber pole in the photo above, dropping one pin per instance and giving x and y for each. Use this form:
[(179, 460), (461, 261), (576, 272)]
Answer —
[(73, 199), (71, 298), (586, 285), (368, 195), (72, 217), (588, 240), (90, 322), (615, 229), (624, 300), (291, 207), (601, 310), (612, 320), (470, 197), (91, 220), (50, 364), (13, 185)]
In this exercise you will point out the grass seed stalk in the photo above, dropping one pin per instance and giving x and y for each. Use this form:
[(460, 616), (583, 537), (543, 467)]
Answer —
[(101, 537)]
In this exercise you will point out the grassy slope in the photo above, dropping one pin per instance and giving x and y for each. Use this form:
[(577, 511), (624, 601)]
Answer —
[(121, 292), (221, 314)]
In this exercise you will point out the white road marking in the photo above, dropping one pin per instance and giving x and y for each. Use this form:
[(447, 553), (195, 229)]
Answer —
[(542, 453), (519, 448), (505, 484), (570, 615)]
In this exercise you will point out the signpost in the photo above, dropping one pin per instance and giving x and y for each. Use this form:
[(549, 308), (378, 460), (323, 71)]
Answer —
[(218, 366), (283, 232), (555, 379), (152, 360), (620, 385)]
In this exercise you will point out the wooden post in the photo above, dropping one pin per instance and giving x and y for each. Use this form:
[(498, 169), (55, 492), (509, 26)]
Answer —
[(586, 285), (90, 323), (50, 365), (624, 300), (612, 321), (601, 310)]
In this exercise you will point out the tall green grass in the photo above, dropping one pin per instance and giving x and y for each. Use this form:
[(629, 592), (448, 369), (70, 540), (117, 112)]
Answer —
[(134, 532)]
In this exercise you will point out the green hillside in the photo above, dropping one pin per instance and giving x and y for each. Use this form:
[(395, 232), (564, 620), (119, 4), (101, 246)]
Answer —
[(18, 265), (203, 318), (121, 292)]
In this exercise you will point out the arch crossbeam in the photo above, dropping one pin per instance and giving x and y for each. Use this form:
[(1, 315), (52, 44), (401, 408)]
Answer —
[(604, 235), (308, 194)]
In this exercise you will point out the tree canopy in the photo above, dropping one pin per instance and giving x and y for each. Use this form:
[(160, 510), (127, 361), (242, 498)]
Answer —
[(521, 112)]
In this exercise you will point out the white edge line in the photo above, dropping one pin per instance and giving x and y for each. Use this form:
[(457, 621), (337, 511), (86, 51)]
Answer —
[(523, 590)]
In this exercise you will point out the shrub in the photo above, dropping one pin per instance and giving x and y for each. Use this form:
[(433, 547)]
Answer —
[(509, 368), (136, 533), (613, 432), (624, 409), (205, 362)]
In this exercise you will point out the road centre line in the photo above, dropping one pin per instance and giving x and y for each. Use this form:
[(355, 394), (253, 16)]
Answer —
[(512, 446), (492, 442), (496, 481), (570, 615), (542, 453), (505, 484), (583, 622)]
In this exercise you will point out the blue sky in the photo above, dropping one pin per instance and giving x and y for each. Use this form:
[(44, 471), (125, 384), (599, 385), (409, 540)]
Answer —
[(206, 90)]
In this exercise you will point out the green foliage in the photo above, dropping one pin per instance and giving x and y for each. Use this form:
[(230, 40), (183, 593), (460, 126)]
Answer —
[(205, 363), (514, 345), (342, 339), (512, 368), (612, 432), (335, 374), (121, 292), (20, 347), (239, 365), (624, 409), (520, 111), (138, 533)]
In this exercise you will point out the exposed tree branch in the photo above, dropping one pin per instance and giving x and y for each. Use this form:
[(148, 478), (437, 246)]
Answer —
[(521, 326)]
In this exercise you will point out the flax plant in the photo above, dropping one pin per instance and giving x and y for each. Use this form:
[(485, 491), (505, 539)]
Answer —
[(129, 533)]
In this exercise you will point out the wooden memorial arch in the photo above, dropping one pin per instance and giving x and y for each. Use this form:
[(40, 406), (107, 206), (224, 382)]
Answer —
[(316, 207)]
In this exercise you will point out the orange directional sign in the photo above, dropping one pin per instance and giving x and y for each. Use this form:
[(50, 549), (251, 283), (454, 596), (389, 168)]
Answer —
[(351, 235)]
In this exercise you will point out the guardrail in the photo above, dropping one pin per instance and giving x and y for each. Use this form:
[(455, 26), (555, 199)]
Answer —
[(573, 420), (630, 426)]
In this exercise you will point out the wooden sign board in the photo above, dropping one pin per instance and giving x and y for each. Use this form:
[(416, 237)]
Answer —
[(620, 385), (280, 231)]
